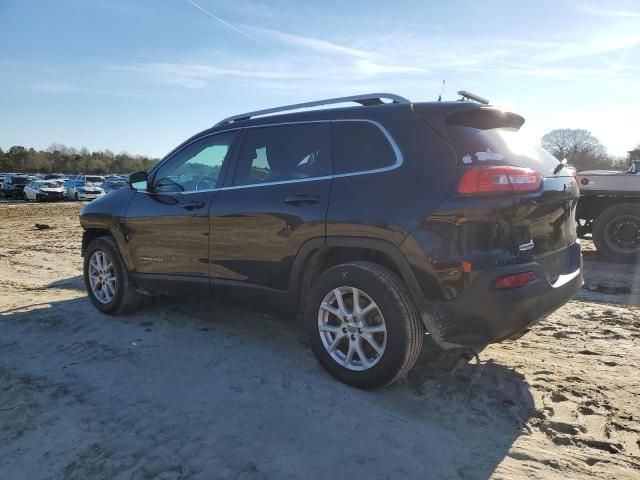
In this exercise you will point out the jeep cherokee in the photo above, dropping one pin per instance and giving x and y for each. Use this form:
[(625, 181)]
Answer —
[(379, 223)]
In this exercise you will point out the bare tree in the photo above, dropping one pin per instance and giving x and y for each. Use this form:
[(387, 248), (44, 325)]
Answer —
[(579, 147)]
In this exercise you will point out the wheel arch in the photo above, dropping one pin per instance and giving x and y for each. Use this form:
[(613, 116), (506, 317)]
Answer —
[(318, 255)]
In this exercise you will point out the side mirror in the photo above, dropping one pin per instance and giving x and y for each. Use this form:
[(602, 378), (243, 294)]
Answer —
[(138, 181)]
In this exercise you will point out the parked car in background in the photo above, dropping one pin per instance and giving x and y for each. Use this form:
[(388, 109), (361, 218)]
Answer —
[(113, 184), (42, 190), (81, 190), (378, 223), (13, 186), (55, 176), (94, 179)]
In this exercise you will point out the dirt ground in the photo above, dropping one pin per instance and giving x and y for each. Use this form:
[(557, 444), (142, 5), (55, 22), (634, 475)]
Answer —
[(202, 389)]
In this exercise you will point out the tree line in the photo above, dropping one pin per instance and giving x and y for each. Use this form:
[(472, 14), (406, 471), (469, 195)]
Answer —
[(62, 159), (581, 149)]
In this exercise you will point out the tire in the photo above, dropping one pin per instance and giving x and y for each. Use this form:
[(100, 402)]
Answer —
[(616, 232), (401, 342), (126, 298), (38, 197), (76, 197)]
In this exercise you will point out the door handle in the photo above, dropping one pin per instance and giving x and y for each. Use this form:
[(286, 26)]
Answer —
[(302, 199), (192, 205)]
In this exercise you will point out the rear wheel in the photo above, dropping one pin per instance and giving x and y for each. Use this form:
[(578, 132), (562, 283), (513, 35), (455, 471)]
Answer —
[(616, 232), (362, 325), (107, 280)]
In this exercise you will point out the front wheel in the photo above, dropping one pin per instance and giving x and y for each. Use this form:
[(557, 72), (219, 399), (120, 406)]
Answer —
[(106, 278), (362, 325), (616, 232)]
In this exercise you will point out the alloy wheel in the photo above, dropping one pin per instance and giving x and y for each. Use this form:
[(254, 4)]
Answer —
[(102, 277), (352, 328)]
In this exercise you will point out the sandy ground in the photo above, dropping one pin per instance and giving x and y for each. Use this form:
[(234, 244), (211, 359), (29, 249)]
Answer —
[(201, 389)]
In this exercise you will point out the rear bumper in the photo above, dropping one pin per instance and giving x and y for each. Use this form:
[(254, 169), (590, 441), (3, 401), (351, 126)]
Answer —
[(484, 314)]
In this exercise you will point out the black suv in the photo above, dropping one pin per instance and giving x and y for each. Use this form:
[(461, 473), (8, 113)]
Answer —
[(13, 186), (379, 223)]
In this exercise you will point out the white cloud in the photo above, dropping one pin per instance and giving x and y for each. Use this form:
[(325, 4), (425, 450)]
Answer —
[(308, 43), (602, 12)]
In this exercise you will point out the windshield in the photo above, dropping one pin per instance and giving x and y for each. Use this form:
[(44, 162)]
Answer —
[(48, 184), (20, 180), (95, 179)]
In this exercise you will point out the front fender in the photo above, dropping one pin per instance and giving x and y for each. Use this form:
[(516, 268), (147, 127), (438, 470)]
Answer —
[(108, 213)]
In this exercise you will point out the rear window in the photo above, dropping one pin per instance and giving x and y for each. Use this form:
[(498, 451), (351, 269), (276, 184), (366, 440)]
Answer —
[(359, 147), (490, 137)]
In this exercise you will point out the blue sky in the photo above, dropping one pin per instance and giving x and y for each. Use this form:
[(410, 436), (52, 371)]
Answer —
[(142, 75)]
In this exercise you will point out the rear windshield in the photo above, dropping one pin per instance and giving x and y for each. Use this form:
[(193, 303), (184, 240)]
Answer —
[(494, 139)]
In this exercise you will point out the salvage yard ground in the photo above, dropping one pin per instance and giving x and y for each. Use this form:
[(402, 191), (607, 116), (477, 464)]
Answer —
[(202, 389)]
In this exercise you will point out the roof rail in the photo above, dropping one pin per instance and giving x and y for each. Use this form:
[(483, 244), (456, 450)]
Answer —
[(364, 100)]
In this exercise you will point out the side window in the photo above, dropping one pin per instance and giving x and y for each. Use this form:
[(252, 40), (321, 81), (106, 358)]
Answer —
[(281, 153), (360, 146), (195, 167)]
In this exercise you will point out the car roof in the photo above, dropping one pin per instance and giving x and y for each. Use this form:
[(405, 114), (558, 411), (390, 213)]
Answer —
[(435, 112)]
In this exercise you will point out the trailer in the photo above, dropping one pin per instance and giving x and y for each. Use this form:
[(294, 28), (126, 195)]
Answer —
[(609, 210)]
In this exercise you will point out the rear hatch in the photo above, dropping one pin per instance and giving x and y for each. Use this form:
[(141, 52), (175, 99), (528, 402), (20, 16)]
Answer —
[(544, 193)]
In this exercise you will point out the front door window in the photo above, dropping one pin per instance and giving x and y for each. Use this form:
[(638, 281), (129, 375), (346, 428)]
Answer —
[(196, 167)]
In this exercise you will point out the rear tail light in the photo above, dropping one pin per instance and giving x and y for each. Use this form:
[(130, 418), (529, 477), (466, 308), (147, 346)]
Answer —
[(515, 281), (495, 179)]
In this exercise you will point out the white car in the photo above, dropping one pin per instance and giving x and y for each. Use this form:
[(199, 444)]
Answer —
[(41, 190), (81, 190)]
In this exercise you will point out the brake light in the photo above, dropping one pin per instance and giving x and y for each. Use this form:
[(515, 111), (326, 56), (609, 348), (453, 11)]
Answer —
[(515, 281), (495, 179)]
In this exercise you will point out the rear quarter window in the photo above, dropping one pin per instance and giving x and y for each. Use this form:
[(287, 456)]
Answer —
[(359, 146)]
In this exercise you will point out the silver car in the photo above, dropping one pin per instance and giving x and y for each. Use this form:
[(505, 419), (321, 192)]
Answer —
[(81, 190)]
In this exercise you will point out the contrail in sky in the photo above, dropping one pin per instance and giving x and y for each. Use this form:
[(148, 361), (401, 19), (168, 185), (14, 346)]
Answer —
[(226, 24)]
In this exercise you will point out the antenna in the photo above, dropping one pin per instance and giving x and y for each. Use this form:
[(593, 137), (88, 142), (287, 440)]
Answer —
[(444, 80)]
